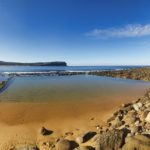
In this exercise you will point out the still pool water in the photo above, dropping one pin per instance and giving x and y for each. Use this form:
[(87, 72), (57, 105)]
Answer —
[(77, 88)]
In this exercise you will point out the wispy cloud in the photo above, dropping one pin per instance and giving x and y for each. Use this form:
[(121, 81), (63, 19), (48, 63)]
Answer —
[(132, 30)]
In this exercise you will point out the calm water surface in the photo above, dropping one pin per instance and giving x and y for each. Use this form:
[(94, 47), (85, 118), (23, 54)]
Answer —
[(61, 68), (72, 89)]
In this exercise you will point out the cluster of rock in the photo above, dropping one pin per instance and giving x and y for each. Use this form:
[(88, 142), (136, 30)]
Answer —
[(136, 74), (127, 129), (46, 73)]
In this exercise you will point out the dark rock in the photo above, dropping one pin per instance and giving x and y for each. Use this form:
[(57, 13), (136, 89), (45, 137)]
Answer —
[(85, 137), (69, 133), (126, 105), (85, 148), (45, 131)]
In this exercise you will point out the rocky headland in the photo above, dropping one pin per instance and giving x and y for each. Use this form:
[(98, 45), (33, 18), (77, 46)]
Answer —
[(56, 63)]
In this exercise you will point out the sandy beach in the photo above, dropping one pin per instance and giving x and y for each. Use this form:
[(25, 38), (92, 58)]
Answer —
[(20, 123)]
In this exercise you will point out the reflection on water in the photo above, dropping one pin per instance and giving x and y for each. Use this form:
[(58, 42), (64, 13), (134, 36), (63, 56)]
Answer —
[(72, 88)]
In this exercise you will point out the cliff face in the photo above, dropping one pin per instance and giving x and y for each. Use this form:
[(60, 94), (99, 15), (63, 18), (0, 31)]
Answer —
[(57, 63)]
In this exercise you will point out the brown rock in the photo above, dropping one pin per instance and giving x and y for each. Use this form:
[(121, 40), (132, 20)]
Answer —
[(111, 140), (26, 147), (63, 144), (138, 142)]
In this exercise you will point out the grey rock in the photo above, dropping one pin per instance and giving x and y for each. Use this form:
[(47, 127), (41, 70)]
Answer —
[(137, 106), (111, 140)]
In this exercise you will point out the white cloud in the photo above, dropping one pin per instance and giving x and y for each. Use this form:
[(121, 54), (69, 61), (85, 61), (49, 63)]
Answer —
[(132, 30)]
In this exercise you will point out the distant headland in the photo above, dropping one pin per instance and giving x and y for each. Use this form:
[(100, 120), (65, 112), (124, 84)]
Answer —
[(56, 63)]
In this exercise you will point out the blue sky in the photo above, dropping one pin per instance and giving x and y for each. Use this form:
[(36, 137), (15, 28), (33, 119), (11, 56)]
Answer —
[(80, 32)]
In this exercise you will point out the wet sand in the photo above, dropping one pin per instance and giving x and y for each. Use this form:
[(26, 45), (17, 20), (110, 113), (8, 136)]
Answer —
[(20, 122)]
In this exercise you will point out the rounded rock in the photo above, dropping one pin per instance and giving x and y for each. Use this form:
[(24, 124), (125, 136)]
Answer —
[(63, 144)]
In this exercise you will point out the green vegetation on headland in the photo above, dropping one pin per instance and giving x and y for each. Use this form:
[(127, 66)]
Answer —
[(56, 63)]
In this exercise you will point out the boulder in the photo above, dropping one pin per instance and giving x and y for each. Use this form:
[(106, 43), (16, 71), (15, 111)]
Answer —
[(147, 105), (137, 106), (64, 144), (130, 118), (110, 140), (117, 123), (135, 129), (138, 142)]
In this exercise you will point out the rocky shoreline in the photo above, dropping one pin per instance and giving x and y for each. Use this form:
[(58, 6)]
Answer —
[(142, 73), (127, 129)]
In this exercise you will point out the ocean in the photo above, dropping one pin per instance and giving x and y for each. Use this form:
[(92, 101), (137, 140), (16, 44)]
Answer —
[(9, 69)]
